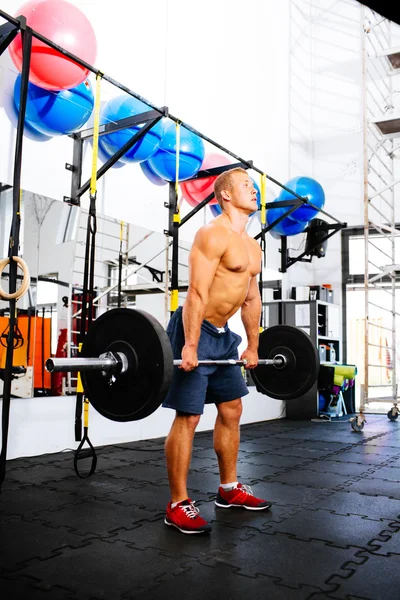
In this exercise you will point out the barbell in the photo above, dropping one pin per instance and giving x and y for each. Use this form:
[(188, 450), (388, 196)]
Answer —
[(126, 364)]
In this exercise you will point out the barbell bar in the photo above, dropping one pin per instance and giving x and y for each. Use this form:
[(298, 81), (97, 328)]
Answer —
[(127, 364), (110, 361)]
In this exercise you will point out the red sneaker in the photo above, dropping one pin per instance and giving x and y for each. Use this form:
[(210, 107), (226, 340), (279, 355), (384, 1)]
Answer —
[(241, 497), (185, 517)]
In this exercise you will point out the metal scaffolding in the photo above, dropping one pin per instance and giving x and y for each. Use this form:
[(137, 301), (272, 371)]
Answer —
[(381, 128)]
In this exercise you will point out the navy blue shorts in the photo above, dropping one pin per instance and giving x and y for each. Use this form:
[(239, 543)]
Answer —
[(190, 390)]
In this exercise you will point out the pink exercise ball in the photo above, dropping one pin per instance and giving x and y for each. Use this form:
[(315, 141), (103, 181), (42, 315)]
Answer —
[(196, 190), (65, 25)]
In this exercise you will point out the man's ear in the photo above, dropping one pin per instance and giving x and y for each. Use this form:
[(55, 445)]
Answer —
[(225, 195)]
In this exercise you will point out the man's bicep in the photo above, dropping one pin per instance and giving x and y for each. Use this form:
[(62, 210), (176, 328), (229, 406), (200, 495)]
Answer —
[(253, 291)]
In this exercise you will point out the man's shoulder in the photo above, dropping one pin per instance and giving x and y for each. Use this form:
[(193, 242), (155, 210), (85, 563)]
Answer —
[(212, 237), (213, 229)]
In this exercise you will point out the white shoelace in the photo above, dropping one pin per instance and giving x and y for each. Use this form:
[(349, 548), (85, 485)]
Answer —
[(191, 510), (247, 489)]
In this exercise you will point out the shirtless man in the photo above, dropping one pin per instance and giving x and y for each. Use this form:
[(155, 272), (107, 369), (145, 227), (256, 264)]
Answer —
[(224, 262)]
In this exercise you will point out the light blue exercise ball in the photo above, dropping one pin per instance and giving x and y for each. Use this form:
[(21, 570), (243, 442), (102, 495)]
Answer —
[(287, 226), (151, 175), (118, 108), (56, 113), (191, 154), (306, 187)]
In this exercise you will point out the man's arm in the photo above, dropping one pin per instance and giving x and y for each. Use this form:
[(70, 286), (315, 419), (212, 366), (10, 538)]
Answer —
[(207, 250), (251, 314)]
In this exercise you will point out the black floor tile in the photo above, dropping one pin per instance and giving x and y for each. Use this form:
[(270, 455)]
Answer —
[(336, 530), (309, 478), (346, 469), (375, 579), (370, 507), (23, 540), (103, 570)]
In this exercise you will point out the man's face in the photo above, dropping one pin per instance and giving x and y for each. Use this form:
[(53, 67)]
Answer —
[(243, 194)]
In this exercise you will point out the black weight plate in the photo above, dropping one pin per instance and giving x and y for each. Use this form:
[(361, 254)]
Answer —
[(137, 393), (301, 370)]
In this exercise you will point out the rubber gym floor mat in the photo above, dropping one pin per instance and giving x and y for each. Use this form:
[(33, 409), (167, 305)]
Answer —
[(129, 567), (332, 532), (305, 477), (38, 542), (337, 530), (352, 503), (97, 519), (369, 576), (347, 469), (376, 487), (221, 583), (273, 460)]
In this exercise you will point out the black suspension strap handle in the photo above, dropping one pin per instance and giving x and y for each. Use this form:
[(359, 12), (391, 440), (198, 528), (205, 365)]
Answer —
[(82, 453)]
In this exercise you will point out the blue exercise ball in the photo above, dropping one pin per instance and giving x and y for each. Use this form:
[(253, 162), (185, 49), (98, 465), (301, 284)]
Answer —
[(191, 154), (306, 187), (287, 226), (121, 107), (274, 234), (217, 210), (56, 113), (151, 175)]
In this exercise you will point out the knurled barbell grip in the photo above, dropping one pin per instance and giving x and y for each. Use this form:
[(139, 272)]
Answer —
[(272, 362)]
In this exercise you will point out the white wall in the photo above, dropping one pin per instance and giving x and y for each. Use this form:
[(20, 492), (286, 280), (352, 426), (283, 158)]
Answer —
[(219, 68)]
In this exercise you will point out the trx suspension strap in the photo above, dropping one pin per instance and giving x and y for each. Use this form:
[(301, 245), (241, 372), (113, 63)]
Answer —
[(26, 34), (175, 229), (87, 298), (263, 182)]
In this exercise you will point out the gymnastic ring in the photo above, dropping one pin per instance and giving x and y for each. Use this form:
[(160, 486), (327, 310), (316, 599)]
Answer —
[(25, 281)]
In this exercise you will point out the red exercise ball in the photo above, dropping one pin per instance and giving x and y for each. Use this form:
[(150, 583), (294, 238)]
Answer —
[(197, 190), (65, 25)]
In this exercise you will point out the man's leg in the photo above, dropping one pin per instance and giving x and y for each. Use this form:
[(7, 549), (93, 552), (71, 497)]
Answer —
[(227, 438), (226, 445), (178, 452), (181, 512)]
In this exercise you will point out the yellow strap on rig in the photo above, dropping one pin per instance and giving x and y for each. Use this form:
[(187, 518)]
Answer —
[(96, 125), (177, 215), (86, 413), (174, 300), (263, 190), (79, 386)]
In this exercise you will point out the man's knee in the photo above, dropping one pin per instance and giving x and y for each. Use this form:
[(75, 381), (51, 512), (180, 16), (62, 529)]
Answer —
[(187, 420), (231, 411)]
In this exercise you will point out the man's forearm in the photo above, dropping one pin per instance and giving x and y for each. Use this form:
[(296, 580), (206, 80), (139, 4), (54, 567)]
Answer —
[(251, 314), (193, 314)]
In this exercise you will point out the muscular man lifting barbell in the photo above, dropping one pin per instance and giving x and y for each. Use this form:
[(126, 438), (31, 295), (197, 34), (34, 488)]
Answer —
[(128, 362), (224, 262)]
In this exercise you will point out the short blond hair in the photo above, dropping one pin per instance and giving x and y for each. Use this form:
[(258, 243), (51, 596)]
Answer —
[(225, 182)]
